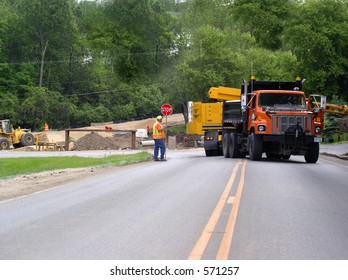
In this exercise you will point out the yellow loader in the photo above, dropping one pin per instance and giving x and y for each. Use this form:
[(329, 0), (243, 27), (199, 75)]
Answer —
[(16, 137)]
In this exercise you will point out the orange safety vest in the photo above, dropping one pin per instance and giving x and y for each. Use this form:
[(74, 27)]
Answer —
[(156, 133)]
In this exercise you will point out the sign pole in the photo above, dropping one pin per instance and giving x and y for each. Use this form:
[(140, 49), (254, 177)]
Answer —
[(166, 133), (166, 110)]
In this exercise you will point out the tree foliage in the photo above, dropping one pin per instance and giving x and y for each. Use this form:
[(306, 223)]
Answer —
[(69, 62), (318, 36), (264, 19)]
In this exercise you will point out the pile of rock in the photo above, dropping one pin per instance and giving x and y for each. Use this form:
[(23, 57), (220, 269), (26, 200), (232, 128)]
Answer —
[(94, 141)]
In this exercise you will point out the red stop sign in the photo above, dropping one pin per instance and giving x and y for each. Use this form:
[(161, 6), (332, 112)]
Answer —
[(166, 109)]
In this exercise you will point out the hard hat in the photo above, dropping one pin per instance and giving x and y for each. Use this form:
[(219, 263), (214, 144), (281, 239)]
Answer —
[(159, 117)]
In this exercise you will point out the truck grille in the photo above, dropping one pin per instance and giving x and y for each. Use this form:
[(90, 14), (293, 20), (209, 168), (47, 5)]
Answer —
[(281, 123)]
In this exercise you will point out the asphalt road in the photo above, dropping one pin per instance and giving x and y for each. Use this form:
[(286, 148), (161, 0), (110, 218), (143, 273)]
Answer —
[(188, 207)]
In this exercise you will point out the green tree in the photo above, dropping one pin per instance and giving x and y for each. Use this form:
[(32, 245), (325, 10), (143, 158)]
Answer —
[(206, 64), (264, 19), (142, 37), (318, 36), (148, 101), (42, 105), (48, 29)]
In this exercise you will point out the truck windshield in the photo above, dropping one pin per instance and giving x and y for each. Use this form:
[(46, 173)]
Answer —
[(282, 100)]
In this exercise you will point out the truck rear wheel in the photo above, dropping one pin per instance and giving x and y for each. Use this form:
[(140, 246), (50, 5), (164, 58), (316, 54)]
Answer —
[(255, 146), (225, 145), (233, 145), (313, 153), (4, 143), (27, 139)]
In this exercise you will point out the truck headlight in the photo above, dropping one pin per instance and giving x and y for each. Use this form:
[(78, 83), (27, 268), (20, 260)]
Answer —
[(317, 129), (261, 128)]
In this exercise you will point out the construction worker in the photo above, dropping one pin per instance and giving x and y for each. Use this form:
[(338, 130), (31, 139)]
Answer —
[(159, 137)]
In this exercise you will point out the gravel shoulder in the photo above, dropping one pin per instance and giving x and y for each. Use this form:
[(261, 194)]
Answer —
[(30, 183), (84, 141)]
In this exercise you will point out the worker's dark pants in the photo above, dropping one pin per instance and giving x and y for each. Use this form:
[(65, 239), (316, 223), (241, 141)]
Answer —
[(159, 145)]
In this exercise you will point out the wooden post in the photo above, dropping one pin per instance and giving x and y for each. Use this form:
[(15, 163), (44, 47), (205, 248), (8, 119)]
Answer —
[(67, 137), (133, 139)]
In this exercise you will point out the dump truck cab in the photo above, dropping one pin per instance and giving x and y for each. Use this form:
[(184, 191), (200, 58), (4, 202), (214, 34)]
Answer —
[(283, 120)]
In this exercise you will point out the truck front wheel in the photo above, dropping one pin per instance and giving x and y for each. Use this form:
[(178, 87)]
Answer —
[(312, 153), (255, 146)]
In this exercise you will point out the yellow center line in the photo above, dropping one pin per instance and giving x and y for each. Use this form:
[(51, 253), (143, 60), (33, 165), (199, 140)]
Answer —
[(202, 243), (226, 242)]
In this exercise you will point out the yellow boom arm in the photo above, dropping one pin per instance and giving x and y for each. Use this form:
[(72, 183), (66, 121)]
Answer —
[(224, 93), (208, 116)]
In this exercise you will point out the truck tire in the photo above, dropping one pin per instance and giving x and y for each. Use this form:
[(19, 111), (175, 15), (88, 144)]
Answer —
[(4, 143), (233, 145), (255, 146), (27, 139), (313, 153), (225, 145)]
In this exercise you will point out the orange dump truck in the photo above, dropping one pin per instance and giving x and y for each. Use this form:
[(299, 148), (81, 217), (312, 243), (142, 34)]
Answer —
[(268, 117)]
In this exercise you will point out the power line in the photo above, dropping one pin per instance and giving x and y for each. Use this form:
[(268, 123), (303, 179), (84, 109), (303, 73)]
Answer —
[(84, 60)]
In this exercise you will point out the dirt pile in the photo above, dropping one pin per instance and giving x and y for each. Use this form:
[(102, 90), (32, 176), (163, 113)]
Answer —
[(94, 141), (123, 140)]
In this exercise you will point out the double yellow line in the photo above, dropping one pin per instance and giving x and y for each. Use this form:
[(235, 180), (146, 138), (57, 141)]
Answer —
[(225, 245)]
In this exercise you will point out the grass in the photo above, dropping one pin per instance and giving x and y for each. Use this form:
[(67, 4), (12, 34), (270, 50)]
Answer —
[(16, 166)]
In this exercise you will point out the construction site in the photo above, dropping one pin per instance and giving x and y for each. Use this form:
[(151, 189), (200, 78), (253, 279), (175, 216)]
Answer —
[(103, 136), (106, 136)]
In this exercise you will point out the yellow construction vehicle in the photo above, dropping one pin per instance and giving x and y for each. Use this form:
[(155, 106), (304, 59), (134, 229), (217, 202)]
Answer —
[(16, 137), (206, 118)]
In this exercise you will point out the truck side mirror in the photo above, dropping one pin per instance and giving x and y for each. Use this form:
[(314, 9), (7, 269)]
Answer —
[(189, 111), (323, 102), (243, 100)]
